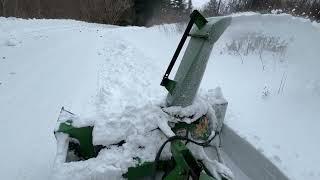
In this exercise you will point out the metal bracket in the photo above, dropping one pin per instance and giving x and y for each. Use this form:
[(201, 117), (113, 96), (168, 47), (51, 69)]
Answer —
[(200, 21), (169, 84), (204, 36)]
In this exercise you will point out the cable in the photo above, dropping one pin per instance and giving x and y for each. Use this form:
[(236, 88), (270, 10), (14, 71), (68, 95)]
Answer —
[(203, 144)]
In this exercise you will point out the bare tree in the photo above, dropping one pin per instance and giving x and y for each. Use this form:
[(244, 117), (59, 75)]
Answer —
[(3, 6), (115, 9), (85, 10), (211, 8), (218, 8), (39, 8), (16, 8), (190, 6)]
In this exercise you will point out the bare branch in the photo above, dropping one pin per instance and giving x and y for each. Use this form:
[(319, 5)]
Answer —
[(115, 9)]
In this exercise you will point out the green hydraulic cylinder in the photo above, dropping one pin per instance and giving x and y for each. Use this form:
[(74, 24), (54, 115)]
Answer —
[(183, 88)]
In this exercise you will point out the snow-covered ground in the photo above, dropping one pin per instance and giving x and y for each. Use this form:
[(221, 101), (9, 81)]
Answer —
[(266, 65)]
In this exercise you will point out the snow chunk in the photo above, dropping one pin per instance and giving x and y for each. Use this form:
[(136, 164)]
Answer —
[(133, 121), (12, 42), (210, 104), (190, 113), (70, 118), (276, 11), (62, 147), (215, 96)]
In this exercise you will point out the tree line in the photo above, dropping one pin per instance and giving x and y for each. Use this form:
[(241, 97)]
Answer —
[(304, 8), (148, 12), (120, 12)]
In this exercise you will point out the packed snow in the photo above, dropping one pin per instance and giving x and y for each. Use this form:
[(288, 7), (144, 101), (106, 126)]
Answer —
[(266, 66)]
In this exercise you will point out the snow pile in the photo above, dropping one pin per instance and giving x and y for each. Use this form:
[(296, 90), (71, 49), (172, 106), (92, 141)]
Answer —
[(137, 127), (113, 161), (132, 121), (55, 66), (126, 77)]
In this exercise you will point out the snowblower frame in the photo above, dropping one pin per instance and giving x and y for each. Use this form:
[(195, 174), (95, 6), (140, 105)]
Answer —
[(182, 91)]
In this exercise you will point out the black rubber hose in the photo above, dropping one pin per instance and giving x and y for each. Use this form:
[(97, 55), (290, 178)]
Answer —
[(203, 144)]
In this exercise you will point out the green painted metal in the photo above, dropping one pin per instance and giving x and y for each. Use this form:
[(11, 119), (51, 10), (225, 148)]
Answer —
[(186, 163), (83, 135), (147, 169), (180, 167), (177, 173), (194, 61), (170, 85), (199, 20), (144, 170)]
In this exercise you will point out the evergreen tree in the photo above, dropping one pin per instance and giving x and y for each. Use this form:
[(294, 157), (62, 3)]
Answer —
[(145, 10), (190, 6), (179, 5), (211, 8)]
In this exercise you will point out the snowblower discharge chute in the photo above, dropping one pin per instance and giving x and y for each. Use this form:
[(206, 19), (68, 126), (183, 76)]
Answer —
[(186, 138)]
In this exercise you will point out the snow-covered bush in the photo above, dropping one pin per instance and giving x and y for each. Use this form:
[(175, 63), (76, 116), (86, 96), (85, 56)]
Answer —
[(266, 92), (12, 42), (304, 8), (257, 44)]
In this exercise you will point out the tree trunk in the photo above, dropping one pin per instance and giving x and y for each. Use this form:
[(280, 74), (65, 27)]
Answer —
[(39, 8), (16, 8), (218, 8), (3, 7)]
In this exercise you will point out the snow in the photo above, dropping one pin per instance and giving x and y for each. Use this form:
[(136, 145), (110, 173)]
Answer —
[(12, 42), (108, 72), (132, 121), (283, 125), (37, 78), (199, 3), (190, 113)]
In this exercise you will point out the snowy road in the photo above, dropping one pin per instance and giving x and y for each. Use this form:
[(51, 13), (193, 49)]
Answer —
[(42, 72), (90, 68)]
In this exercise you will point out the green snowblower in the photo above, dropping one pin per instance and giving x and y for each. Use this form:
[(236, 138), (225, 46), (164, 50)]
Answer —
[(200, 133)]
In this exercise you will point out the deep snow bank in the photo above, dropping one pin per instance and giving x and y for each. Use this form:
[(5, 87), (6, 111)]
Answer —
[(265, 64), (52, 64), (274, 93)]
